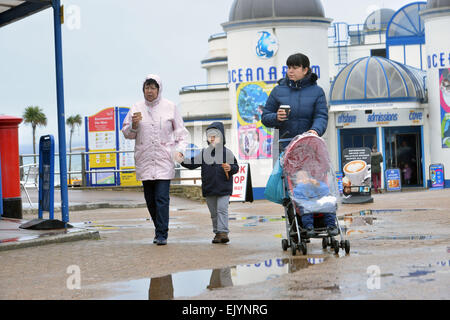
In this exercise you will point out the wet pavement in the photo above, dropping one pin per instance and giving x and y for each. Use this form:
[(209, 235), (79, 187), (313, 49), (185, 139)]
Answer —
[(400, 249)]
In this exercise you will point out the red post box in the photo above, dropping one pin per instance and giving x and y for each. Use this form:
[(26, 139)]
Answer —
[(9, 150)]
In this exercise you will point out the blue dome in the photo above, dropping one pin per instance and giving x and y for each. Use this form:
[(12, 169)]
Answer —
[(377, 79)]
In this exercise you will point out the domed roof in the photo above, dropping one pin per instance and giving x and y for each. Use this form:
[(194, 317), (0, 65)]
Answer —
[(376, 79), (432, 4), (378, 19), (256, 9)]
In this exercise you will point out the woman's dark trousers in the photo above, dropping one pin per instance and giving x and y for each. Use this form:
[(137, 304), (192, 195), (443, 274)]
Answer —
[(156, 193)]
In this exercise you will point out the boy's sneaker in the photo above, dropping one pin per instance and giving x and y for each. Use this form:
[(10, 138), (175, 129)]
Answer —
[(332, 231), (225, 238), (217, 238), (154, 240)]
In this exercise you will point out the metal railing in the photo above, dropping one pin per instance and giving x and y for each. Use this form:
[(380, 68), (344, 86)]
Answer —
[(83, 173), (203, 87)]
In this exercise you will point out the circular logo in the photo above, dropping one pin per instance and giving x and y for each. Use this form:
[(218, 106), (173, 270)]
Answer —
[(267, 45)]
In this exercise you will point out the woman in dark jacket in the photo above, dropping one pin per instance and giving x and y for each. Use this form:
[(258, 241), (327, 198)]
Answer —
[(308, 113), (218, 165), (307, 101)]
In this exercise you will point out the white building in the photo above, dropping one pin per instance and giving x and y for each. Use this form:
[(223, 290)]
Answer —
[(376, 72)]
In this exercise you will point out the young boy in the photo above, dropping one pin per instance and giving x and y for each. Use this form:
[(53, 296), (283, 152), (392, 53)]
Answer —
[(218, 165)]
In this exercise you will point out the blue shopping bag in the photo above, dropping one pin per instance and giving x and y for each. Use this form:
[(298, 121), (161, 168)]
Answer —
[(274, 189)]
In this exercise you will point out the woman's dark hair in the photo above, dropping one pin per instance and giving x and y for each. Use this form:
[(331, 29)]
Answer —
[(298, 60), (150, 82)]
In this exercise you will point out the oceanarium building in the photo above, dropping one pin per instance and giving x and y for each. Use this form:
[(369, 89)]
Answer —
[(387, 82)]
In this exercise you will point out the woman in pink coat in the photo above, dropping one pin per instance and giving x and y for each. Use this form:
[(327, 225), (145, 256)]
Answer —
[(160, 138)]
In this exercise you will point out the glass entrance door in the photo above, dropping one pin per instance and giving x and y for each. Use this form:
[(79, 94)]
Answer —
[(403, 151)]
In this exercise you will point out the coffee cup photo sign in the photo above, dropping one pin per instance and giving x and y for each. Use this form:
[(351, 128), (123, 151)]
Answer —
[(356, 171), (356, 168)]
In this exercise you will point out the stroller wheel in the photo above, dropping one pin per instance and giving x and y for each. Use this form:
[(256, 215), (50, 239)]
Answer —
[(284, 244), (324, 243), (302, 247), (347, 246), (293, 249), (336, 246)]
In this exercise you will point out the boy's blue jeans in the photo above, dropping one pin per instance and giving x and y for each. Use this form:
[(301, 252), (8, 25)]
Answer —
[(308, 220), (156, 193)]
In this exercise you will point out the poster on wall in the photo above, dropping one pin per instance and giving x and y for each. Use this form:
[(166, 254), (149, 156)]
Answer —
[(254, 139), (357, 175), (393, 179), (437, 176), (444, 93), (101, 134), (126, 159)]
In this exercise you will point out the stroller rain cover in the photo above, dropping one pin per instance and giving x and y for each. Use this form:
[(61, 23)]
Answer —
[(309, 174)]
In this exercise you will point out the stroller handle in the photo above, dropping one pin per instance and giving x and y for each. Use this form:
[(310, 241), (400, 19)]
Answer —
[(281, 142)]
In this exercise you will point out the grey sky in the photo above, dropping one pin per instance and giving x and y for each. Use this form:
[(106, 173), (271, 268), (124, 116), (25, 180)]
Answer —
[(116, 45)]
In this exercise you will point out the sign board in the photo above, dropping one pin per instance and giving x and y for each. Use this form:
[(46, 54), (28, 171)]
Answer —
[(380, 117), (101, 136), (393, 179), (242, 184), (46, 175), (437, 176), (339, 177), (126, 159), (356, 171)]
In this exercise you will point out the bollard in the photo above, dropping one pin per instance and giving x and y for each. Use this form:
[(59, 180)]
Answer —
[(9, 140), (46, 176)]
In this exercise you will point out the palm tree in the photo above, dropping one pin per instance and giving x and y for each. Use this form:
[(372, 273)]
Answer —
[(72, 122), (35, 116)]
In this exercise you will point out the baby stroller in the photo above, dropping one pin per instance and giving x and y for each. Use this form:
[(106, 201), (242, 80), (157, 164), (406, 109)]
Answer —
[(310, 187)]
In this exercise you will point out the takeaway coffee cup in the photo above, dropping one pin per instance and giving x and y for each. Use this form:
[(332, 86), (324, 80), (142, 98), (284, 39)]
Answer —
[(286, 109), (356, 171), (138, 114)]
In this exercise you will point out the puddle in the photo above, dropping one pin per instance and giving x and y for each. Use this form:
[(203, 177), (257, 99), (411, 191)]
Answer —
[(419, 273), (253, 221), (404, 237), (40, 235), (193, 283), (103, 226), (366, 219)]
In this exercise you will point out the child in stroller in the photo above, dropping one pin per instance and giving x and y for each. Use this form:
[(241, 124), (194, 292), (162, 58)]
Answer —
[(311, 194), (314, 195)]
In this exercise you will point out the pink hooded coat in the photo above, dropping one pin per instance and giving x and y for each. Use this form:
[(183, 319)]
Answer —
[(160, 134)]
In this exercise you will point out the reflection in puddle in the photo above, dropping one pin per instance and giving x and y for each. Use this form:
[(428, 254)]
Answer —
[(253, 221), (406, 237), (193, 283)]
